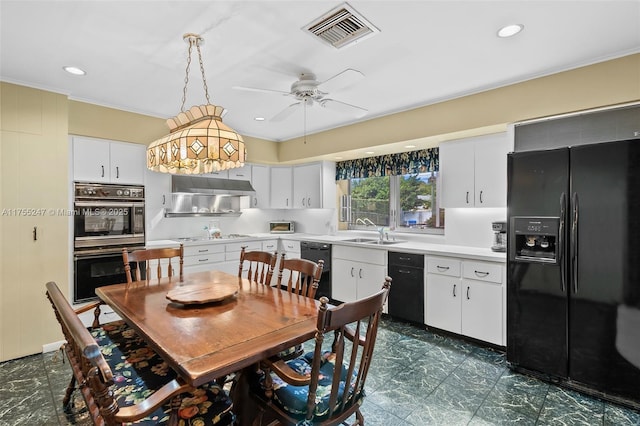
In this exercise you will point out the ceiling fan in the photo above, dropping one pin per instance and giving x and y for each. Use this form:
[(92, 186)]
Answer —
[(308, 91)]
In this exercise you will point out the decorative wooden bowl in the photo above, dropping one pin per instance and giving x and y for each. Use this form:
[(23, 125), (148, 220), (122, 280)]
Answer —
[(197, 294)]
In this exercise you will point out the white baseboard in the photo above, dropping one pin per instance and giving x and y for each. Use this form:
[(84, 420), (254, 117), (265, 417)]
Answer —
[(50, 347)]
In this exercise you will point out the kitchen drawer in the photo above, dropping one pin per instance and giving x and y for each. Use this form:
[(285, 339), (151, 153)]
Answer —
[(482, 271), (356, 254), (443, 266), (203, 249), (204, 258), (270, 245), (406, 259), (237, 247), (290, 246)]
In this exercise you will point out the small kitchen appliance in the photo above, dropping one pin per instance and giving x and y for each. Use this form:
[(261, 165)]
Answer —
[(499, 236), (282, 227)]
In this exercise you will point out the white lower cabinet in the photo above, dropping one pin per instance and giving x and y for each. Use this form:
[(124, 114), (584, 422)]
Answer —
[(356, 272), (203, 257), (466, 297)]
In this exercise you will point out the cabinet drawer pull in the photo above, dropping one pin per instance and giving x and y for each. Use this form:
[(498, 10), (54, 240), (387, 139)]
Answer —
[(442, 268), (454, 290), (481, 274), (203, 251), (270, 246), (203, 260), (467, 292)]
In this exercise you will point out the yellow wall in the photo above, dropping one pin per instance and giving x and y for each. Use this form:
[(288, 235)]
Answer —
[(34, 178), (608, 83), (34, 159)]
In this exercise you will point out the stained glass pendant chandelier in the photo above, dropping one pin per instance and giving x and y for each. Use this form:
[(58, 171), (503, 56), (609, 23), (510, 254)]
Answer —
[(198, 141)]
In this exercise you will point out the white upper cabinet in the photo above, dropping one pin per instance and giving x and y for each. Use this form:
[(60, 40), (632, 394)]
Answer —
[(474, 171), (307, 186), (281, 188), (261, 182), (98, 160)]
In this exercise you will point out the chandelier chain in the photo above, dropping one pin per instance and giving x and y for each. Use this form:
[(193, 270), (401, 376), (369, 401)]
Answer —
[(194, 40)]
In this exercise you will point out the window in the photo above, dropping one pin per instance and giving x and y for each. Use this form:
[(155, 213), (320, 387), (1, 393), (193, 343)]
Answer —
[(405, 202), (395, 190)]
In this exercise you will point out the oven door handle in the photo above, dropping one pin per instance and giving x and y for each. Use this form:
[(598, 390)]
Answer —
[(106, 204)]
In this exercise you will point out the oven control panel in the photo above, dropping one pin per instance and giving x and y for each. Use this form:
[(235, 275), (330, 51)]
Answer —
[(93, 191)]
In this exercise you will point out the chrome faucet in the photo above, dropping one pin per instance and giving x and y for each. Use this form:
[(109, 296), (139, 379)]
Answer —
[(368, 222)]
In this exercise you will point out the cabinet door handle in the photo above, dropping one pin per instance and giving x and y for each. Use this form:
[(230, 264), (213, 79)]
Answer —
[(467, 292), (454, 290), (303, 201), (467, 197), (308, 202), (480, 197), (255, 201), (164, 199), (270, 246), (117, 172), (360, 273), (35, 233), (481, 274), (442, 268), (352, 269), (102, 171), (287, 202)]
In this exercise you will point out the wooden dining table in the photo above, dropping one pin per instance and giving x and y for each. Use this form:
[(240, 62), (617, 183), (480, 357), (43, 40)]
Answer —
[(206, 341)]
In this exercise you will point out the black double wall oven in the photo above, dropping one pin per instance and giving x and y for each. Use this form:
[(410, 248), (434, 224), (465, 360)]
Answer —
[(107, 218)]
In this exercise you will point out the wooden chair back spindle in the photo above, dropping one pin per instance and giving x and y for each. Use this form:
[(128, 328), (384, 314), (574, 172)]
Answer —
[(303, 275), (153, 256), (261, 265)]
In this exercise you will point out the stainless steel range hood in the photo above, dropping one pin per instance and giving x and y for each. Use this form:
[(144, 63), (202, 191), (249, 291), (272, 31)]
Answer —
[(210, 186), (203, 196)]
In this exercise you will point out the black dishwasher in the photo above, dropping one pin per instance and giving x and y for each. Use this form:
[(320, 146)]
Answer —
[(315, 251), (406, 298)]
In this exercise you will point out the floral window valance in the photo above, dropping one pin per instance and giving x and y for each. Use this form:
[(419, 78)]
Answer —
[(424, 160)]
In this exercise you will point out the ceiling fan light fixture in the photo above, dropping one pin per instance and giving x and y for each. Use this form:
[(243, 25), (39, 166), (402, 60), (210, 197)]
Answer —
[(510, 30), (198, 141)]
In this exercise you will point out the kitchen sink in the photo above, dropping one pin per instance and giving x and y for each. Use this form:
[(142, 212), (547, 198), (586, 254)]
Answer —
[(384, 243), (360, 240)]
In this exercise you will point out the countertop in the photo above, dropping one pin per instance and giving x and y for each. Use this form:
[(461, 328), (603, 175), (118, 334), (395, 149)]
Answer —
[(406, 243)]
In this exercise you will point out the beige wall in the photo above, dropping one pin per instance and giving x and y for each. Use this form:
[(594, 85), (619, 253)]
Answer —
[(34, 172), (607, 83), (108, 123), (34, 175)]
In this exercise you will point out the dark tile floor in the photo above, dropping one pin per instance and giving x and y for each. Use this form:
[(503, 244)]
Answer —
[(417, 378)]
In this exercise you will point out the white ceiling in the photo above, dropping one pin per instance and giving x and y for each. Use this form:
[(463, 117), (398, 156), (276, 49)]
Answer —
[(427, 51)]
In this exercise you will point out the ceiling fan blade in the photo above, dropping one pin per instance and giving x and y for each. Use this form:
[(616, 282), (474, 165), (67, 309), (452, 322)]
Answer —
[(285, 112), (341, 80), (255, 89), (343, 107)]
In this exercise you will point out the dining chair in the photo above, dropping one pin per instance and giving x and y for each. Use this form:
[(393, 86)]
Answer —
[(301, 275), (150, 255), (261, 265), (324, 387)]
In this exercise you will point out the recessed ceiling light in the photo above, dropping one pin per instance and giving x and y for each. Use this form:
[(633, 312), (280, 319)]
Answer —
[(74, 70), (338, 158), (259, 118), (370, 152), (510, 30), (409, 146)]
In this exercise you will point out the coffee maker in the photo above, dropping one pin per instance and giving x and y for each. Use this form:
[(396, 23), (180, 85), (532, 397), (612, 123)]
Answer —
[(499, 236)]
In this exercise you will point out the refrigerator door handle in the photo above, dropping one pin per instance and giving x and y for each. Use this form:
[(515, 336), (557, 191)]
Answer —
[(574, 243), (561, 257)]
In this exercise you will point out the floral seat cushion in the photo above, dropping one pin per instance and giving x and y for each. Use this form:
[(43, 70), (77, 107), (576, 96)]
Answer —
[(293, 399), (138, 371)]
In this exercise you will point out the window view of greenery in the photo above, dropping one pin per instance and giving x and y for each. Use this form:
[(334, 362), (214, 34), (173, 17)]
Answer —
[(370, 201), (414, 197)]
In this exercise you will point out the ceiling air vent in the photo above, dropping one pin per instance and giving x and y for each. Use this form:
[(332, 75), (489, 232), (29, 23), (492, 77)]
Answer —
[(341, 27)]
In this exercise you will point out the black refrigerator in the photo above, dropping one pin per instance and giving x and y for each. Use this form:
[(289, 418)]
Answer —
[(573, 286)]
